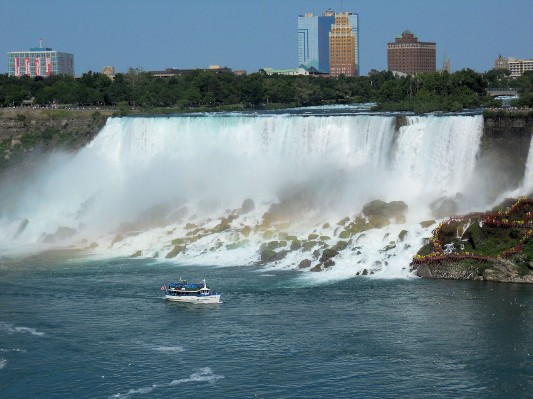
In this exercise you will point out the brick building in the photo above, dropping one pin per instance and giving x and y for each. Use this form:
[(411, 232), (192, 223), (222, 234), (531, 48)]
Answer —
[(410, 56)]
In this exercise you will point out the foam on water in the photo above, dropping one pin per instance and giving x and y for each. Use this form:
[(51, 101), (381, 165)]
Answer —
[(11, 329), (202, 375)]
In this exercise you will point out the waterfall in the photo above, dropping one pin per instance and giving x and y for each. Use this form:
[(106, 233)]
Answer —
[(146, 183), (527, 185)]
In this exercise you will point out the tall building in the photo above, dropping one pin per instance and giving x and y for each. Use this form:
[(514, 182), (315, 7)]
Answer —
[(40, 61), (313, 41), (315, 35), (410, 56), (344, 46), (516, 66)]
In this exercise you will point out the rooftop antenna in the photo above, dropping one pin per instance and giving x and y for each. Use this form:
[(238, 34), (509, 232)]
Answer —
[(41, 42)]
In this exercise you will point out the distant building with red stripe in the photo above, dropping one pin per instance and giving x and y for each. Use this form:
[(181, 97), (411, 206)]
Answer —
[(40, 61)]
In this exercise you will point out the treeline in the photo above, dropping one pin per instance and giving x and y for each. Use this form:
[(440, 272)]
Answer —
[(424, 92)]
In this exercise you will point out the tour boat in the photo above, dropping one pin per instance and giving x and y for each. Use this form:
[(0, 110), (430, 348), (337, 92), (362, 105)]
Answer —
[(182, 291)]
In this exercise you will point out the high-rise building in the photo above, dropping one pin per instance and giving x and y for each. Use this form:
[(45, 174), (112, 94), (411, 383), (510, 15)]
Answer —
[(516, 66), (344, 46), (315, 35), (40, 61), (410, 56)]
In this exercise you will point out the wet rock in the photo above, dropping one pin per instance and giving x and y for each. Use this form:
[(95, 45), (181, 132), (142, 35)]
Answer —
[(222, 226), (400, 219), (316, 254), (345, 234), (295, 245), (403, 234), (386, 209), (317, 268), (304, 264), (21, 227), (137, 253), (340, 246), (238, 244), (378, 221), (308, 245), (246, 230), (327, 254), (63, 233), (247, 206), (117, 238), (267, 235), (445, 206), (268, 255), (176, 251), (425, 224), (343, 221)]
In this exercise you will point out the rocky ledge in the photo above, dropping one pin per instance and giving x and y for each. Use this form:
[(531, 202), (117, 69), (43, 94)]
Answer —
[(491, 246)]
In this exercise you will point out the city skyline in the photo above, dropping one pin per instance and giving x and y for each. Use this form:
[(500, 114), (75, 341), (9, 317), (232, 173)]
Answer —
[(253, 34)]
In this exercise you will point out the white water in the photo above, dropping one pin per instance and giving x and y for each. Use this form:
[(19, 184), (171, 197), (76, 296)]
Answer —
[(528, 176), (144, 171)]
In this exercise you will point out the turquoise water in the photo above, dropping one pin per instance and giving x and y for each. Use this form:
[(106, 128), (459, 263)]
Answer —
[(99, 329)]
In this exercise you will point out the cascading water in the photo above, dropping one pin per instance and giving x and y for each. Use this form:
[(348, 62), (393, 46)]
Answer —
[(174, 186), (527, 185)]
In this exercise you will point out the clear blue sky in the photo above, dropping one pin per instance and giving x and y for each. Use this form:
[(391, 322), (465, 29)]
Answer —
[(251, 34)]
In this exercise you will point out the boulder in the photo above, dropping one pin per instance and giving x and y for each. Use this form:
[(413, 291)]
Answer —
[(343, 221), (316, 268), (425, 224), (63, 232), (304, 264), (378, 221), (175, 251), (444, 207), (386, 209), (295, 245), (340, 246), (247, 206)]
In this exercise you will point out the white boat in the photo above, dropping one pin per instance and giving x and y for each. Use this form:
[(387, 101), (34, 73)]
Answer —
[(182, 291)]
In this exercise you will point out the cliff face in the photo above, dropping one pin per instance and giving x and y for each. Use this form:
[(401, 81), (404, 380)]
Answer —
[(504, 150), (23, 131)]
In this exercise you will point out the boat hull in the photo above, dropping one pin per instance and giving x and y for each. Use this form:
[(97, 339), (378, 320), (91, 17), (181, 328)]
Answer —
[(193, 298)]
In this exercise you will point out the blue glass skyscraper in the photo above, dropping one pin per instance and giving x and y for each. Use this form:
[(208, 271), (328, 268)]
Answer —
[(313, 40)]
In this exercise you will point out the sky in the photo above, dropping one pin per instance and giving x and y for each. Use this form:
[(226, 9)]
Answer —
[(253, 34)]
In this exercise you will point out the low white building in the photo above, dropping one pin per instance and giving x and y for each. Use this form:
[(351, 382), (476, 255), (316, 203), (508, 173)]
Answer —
[(292, 72)]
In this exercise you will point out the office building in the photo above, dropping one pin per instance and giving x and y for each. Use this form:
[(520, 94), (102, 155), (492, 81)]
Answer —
[(315, 35), (516, 66), (410, 56), (40, 61), (313, 41), (344, 46)]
